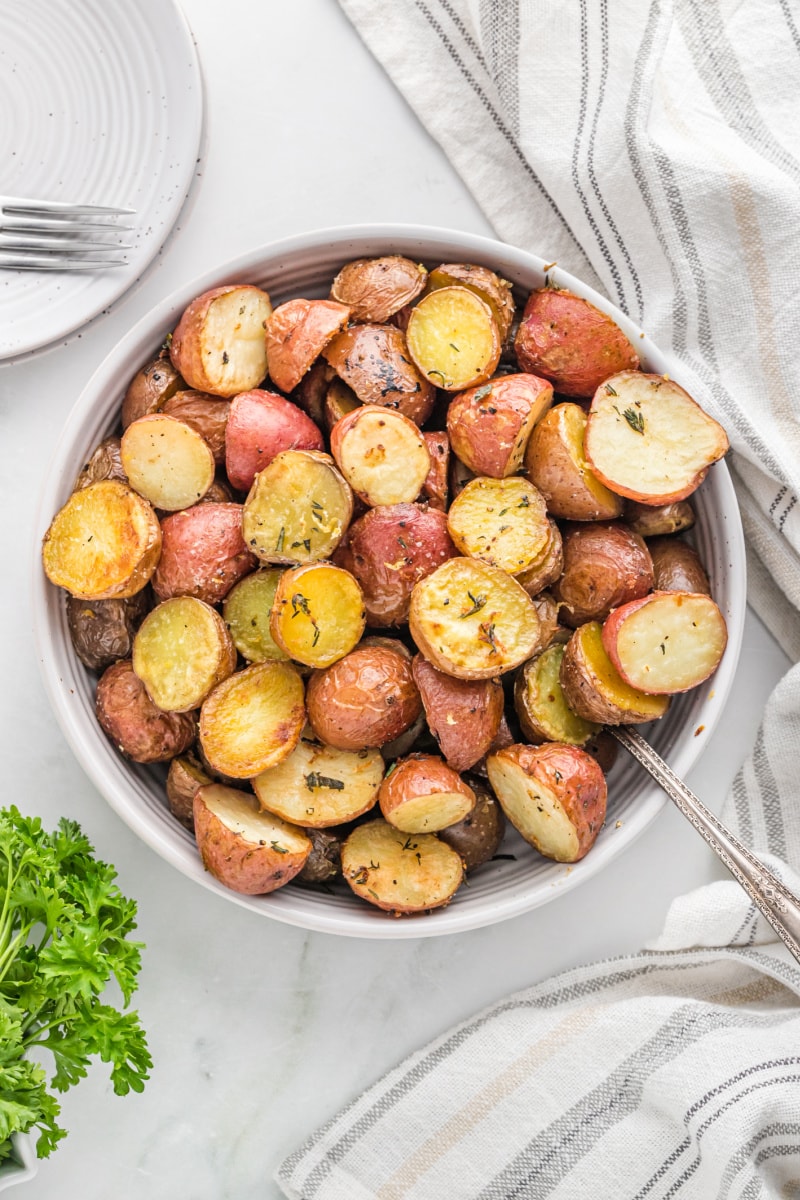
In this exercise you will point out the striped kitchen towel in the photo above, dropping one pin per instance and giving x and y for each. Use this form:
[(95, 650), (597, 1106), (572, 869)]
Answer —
[(651, 149)]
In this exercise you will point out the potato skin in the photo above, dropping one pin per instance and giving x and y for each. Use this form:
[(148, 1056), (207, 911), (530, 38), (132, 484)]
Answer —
[(463, 714), (489, 425), (548, 566), (677, 567), (435, 487), (203, 553), (105, 462), (650, 520), (556, 463), (140, 730), (478, 837), (374, 361), (251, 867), (324, 863), (605, 565), (262, 425), (496, 292), (187, 344), (374, 289), (364, 700), (296, 334), (102, 630), (207, 415), (416, 777), (184, 777), (389, 550), (594, 689), (569, 341), (150, 388)]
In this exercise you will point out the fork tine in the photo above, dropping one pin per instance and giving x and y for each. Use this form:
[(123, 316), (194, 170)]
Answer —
[(15, 261), (22, 241), (56, 208), (55, 225)]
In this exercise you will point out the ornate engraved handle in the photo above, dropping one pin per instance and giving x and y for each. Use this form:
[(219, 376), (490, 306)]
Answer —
[(777, 904)]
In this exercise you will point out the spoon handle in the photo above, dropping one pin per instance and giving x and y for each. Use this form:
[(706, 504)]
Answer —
[(774, 900)]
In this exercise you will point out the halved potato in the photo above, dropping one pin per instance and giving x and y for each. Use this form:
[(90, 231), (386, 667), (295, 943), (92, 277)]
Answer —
[(150, 387), (435, 488), (647, 439), (310, 391), (374, 289), (317, 786), (338, 402), (253, 719), (102, 631), (490, 426), (137, 728), (547, 566), (594, 688), (318, 614), (167, 462), (472, 620), (104, 543), (219, 344), (605, 565), (554, 795), (493, 290), (297, 509), (246, 849), (422, 794), (324, 863), (502, 522), (382, 455), (206, 414), (374, 361), (556, 463), (463, 714), (453, 338), (184, 777), (666, 643), (202, 553), (649, 520), (398, 872), (247, 610), (543, 712), (181, 651), (296, 334), (677, 566)]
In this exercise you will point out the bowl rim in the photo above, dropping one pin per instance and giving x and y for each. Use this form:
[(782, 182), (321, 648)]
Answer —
[(107, 377)]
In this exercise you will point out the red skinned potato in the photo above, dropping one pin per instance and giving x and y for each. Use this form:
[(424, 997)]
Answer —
[(310, 391), (382, 455), (246, 849), (435, 488), (374, 361), (218, 345), (184, 777), (556, 463), (546, 568), (493, 290), (594, 688), (297, 509), (389, 550), (463, 714), (648, 440), (565, 339), (317, 614), (667, 642), (374, 289), (297, 333), (605, 565), (422, 794), (136, 727), (339, 401), (203, 553), (262, 425), (207, 415), (365, 699), (167, 461), (398, 872), (554, 795), (677, 566), (489, 426), (150, 388)]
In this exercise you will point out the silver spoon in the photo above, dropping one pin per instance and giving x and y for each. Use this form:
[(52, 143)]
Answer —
[(773, 899)]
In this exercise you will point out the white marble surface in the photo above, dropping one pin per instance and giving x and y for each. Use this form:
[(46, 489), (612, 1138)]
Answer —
[(259, 1031)]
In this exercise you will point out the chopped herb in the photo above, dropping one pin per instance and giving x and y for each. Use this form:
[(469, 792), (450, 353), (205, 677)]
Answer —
[(409, 845), (611, 391), (225, 358), (279, 543), (402, 542), (634, 419), (483, 392), (455, 347), (300, 605), (524, 502), (502, 512), (374, 866), (315, 780), (439, 373), (486, 633), (374, 895), (663, 648), (477, 604), (315, 638), (167, 342), (278, 848)]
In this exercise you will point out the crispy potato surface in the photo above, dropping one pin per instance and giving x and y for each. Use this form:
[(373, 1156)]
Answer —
[(246, 849), (150, 388), (594, 688), (472, 620), (366, 699), (297, 509), (569, 341), (493, 290), (318, 786), (318, 614), (489, 426), (167, 462), (324, 863), (253, 719), (296, 334), (102, 630), (677, 566), (382, 455), (463, 714), (203, 553), (261, 426), (422, 794), (247, 609), (398, 872), (207, 415), (374, 361), (374, 289), (219, 344), (503, 522), (103, 544), (666, 643), (136, 727), (181, 651), (605, 565), (556, 463), (105, 462), (453, 338), (647, 439), (543, 712)]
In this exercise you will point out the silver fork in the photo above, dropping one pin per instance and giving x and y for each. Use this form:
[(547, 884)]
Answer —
[(51, 235)]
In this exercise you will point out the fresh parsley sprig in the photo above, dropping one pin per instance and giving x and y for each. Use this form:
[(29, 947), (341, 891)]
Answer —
[(64, 929)]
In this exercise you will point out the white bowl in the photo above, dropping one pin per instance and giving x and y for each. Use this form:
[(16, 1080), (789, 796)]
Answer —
[(304, 266)]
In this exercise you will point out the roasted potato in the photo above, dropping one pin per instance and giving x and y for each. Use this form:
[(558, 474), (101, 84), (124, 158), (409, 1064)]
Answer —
[(136, 727), (478, 837), (398, 872), (594, 688), (556, 463), (374, 361), (324, 863), (667, 642), (338, 402), (493, 290), (318, 786), (604, 565), (382, 455), (374, 289), (203, 553), (297, 509), (543, 712), (435, 488), (207, 415), (311, 391), (547, 566), (453, 338), (489, 426), (658, 520), (253, 719), (550, 628), (167, 462), (463, 714), (104, 544), (422, 794), (318, 614), (104, 462), (565, 339), (150, 388), (389, 550), (219, 344), (184, 777), (261, 426), (245, 848), (647, 439), (472, 620), (503, 522), (102, 630), (181, 651), (364, 700), (677, 566), (297, 332), (247, 609), (554, 795)]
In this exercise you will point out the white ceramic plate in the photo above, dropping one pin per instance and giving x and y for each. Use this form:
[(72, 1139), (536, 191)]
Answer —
[(101, 103), (304, 266)]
